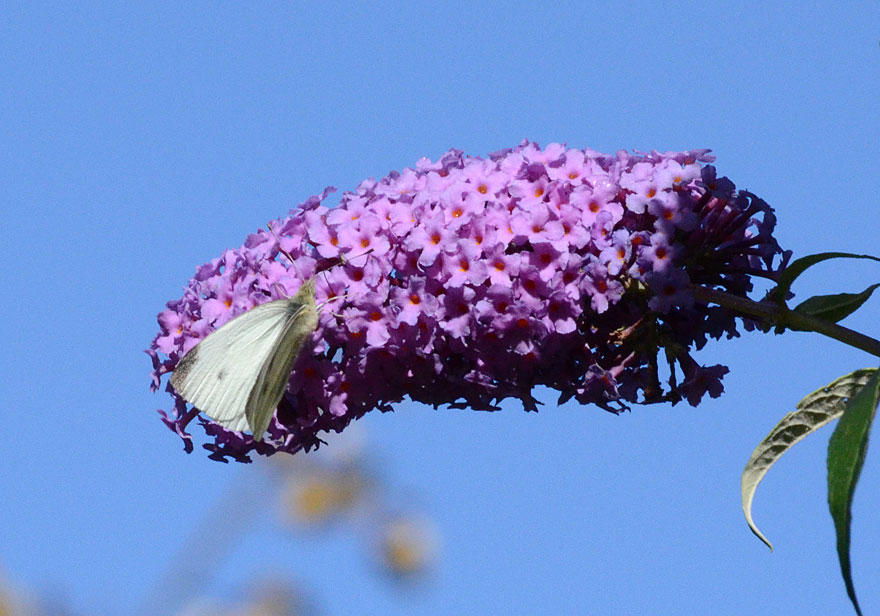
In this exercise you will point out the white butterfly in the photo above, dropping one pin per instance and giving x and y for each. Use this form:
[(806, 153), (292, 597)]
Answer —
[(238, 374)]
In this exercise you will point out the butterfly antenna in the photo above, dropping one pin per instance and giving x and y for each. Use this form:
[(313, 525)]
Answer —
[(345, 260), (332, 299)]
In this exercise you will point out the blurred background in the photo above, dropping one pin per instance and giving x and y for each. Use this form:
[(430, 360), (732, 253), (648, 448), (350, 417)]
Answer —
[(138, 140)]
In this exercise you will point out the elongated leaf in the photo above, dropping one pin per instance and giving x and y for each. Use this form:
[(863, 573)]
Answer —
[(835, 307), (846, 455), (813, 412), (799, 266)]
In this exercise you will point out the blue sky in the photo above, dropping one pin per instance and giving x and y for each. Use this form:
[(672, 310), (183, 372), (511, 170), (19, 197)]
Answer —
[(139, 140)]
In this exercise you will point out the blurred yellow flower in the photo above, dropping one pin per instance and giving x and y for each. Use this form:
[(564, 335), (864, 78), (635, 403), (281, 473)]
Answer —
[(408, 546), (314, 496)]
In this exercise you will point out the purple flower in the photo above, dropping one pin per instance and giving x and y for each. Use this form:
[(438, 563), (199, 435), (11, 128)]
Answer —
[(364, 237), (483, 178), (670, 290), (602, 289), (411, 301), (465, 281), (617, 253), (428, 238), (700, 380), (371, 318), (660, 254), (462, 265)]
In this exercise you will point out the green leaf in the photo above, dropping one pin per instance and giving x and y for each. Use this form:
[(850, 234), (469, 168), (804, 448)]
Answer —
[(835, 307), (846, 454), (813, 412), (799, 266)]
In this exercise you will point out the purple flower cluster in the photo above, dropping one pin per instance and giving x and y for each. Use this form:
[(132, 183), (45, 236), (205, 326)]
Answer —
[(469, 280)]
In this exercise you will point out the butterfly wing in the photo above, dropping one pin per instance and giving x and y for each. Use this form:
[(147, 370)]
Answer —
[(218, 374), (274, 375)]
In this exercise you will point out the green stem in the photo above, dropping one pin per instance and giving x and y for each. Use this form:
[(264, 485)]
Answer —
[(780, 315)]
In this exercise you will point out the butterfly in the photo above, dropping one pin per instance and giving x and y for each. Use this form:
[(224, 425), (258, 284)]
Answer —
[(238, 374)]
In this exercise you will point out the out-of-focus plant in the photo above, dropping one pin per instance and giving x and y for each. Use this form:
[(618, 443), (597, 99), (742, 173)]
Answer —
[(408, 546), (338, 486), (343, 484), (271, 597), (17, 600)]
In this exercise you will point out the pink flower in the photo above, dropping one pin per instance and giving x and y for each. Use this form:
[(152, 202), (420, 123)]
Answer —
[(466, 281)]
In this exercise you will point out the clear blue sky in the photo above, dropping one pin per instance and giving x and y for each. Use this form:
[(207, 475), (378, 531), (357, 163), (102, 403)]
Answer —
[(138, 140)]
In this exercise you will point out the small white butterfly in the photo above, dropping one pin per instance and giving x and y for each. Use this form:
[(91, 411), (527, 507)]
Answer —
[(238, 374)]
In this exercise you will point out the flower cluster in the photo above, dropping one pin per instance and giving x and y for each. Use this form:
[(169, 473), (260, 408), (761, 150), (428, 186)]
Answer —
[(469, 280)]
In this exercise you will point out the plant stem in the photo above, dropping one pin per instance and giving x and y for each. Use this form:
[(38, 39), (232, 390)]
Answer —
[(775, 314)]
